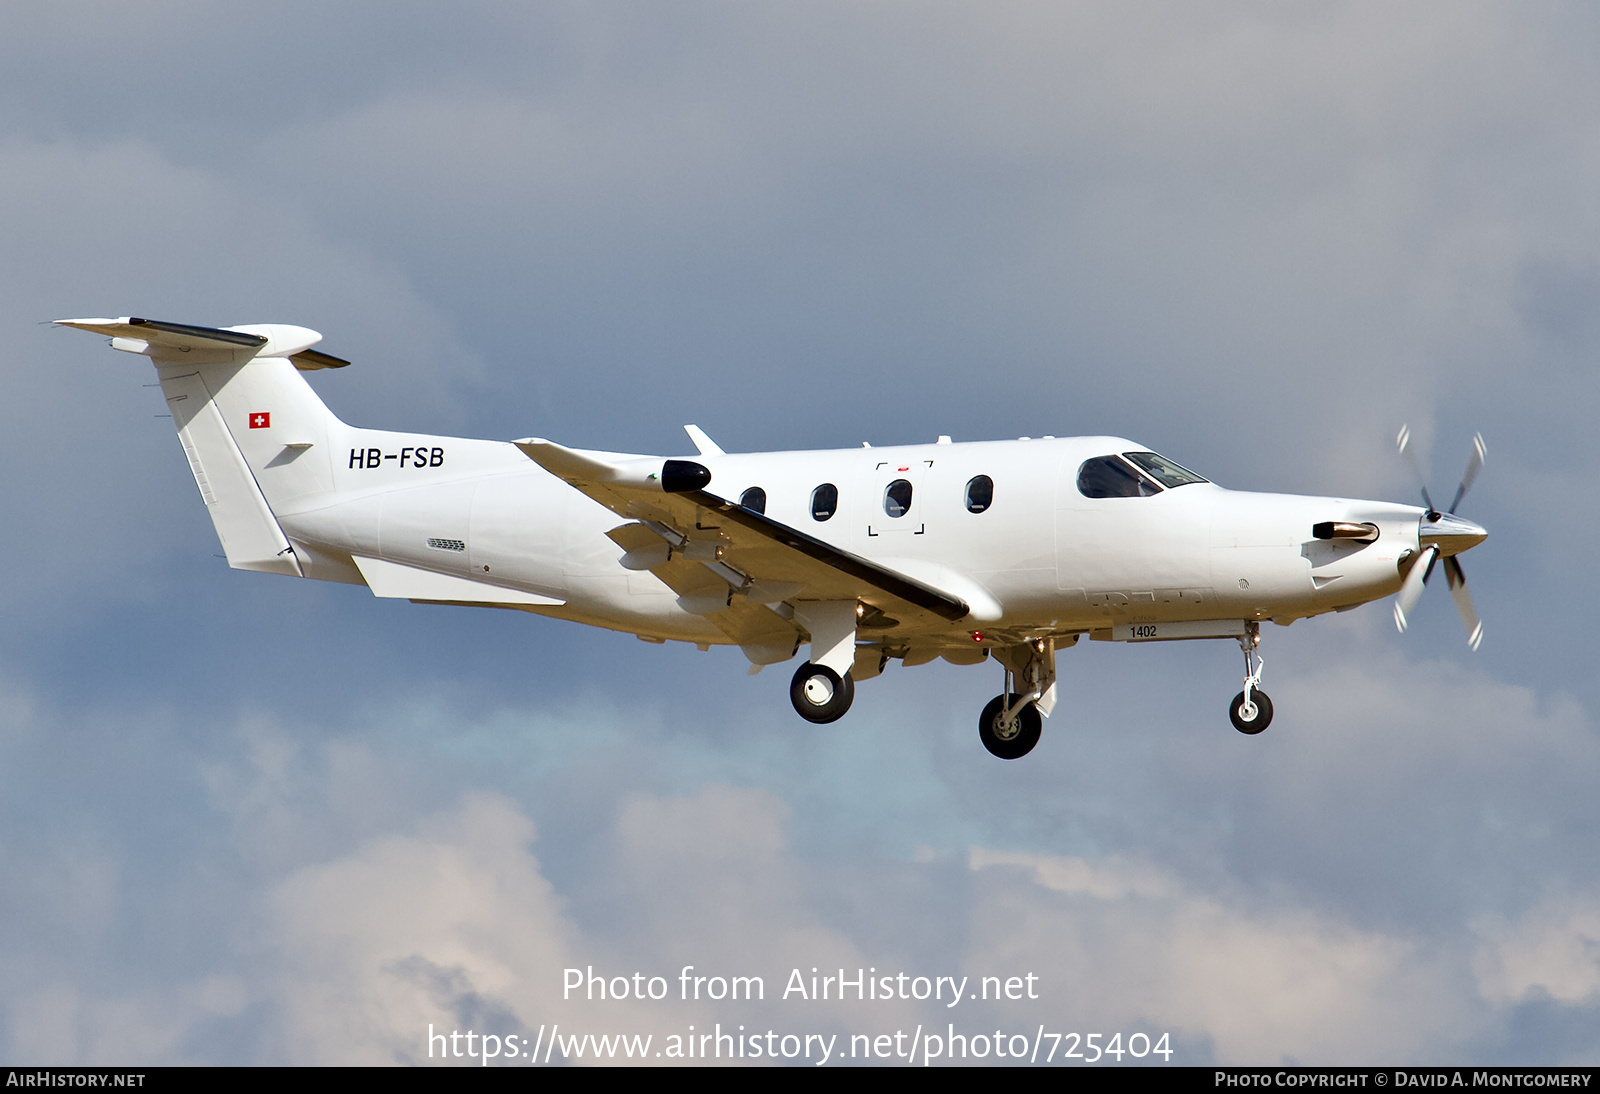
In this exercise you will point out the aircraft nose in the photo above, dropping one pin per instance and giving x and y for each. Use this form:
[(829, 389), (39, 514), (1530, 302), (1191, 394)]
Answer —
[(1451, 534)]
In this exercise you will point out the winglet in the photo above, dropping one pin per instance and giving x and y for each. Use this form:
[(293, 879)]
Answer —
[(703, 443)]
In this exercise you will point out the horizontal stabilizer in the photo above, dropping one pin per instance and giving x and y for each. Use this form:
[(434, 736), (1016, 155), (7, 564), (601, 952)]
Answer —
[(391, 579), (182, 341)]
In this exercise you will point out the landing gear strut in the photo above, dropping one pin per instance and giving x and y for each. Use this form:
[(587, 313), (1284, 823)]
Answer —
[(1251, 710), (821, 695), (1010, 725), (822, 690)]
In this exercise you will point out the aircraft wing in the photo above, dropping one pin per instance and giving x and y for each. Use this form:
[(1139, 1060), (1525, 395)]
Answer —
[(718, 555)]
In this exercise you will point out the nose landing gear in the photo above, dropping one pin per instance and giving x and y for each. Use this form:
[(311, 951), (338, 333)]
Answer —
[(1010, 725), (1251, 710)]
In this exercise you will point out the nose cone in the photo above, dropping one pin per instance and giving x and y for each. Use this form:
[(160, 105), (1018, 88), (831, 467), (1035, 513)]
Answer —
[(1451, 534)]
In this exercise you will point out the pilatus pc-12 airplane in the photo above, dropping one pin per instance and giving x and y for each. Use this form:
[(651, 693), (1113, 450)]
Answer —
[(1009, 550)]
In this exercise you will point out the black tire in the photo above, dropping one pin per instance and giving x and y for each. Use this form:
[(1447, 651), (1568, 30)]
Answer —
[(1024, 737), (819, 695), (1263, 712)]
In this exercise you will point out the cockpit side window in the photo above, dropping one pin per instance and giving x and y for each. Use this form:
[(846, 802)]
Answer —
[(1109, 477), (1161, 469)]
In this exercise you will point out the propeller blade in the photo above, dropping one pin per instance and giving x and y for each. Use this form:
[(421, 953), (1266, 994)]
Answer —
[(1412, 589), (1404, 443), (1474, 465), (1463, 599)]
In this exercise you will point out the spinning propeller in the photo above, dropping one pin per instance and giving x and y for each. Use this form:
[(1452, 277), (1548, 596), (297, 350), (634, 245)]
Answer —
[(1443, 535)]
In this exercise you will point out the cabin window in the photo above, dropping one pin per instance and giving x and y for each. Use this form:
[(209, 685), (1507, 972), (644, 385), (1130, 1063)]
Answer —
[(754, 499), (824, 501), (1109, 477), (980, 494), (1161, 469), (897, 498)]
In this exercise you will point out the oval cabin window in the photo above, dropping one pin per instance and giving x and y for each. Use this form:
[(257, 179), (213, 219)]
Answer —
[(824, 501), (754, 499), (897, 498), (980, 494)]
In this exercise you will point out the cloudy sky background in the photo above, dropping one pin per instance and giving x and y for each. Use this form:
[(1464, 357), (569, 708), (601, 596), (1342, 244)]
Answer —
[(247, 819)]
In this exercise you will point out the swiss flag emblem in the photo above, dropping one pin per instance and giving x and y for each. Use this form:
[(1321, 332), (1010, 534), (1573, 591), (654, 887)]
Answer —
[(261, 420)]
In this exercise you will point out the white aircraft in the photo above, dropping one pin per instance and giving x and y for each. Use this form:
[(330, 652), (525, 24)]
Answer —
[(1008, 550)]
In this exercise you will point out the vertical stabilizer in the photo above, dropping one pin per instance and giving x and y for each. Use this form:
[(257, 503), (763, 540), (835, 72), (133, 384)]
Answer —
[(255, 434)]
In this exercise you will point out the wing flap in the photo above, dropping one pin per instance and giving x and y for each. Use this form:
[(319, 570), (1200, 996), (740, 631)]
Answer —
[(765, 635)]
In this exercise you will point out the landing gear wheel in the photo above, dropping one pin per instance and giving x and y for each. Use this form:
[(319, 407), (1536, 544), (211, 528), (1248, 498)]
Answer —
[(1253, 718), (819, 695), (1013, 741)]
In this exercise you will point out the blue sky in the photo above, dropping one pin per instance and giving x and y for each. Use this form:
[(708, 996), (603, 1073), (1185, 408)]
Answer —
[(248, 819)]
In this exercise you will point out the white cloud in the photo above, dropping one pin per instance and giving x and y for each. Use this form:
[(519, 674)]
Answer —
[(353, 924), (1553, 949), (1123, 945), (67, 1023), (454, 926)]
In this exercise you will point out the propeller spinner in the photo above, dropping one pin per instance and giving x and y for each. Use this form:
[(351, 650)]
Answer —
[(1443, 535)]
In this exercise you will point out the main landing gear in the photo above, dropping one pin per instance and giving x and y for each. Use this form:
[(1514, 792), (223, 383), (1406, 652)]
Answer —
[(822, 690), (1010, 725), (821, 695), (1251, 710)]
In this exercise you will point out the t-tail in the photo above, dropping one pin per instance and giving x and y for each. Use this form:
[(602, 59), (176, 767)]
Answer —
[(247, 420)]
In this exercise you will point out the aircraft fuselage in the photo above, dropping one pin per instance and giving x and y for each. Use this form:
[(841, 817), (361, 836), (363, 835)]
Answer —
[(1039, 557)]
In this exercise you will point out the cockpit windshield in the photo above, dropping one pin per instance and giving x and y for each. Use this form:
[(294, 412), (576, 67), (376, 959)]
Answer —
[(1115, 477), (1109, 477), (1161, 469)]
